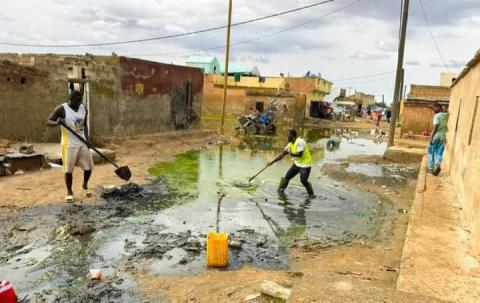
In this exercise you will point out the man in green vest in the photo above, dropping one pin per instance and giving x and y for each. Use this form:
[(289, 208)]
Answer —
[(298, 149)]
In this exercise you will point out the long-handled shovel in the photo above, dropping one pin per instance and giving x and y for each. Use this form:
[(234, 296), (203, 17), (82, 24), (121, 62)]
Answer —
[(260, 171), (122, 171)]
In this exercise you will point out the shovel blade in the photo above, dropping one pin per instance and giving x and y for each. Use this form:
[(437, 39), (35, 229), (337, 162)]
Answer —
[(124, 173)]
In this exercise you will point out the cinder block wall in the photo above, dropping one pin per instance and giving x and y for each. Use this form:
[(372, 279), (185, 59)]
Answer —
[(127, 96), (27, 96), (462, 156)]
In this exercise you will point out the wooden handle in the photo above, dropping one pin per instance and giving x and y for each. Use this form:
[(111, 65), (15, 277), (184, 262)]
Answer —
[(84, 141)]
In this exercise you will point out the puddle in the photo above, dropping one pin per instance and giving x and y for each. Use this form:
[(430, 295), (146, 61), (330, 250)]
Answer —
[(367, 169), (338, 214), (162, 226)]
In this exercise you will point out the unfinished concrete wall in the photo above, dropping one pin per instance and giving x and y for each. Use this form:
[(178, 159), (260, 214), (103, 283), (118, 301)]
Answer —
[(127, 96), (462, 156), (300, 84), (213, 99), (416, 117), (291, 107), (429, 91), (27, 96), (145, 97)]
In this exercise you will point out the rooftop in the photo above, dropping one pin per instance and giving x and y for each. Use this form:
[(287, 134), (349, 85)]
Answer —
[(199, 59), (468, 66)]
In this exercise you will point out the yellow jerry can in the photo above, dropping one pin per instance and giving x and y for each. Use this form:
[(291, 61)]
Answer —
[(217, 249)]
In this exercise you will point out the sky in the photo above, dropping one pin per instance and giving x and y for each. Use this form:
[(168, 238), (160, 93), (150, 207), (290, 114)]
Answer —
[(340, 40)]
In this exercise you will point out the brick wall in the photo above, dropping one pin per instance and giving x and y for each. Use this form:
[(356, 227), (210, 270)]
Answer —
[(25, 104)]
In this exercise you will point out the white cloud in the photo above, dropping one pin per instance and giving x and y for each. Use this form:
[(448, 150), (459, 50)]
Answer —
[(359, 40), (369, 56)]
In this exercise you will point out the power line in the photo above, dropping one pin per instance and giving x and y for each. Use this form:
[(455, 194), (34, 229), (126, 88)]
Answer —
[(256, 38), (364, 76), (174, 35), (433, 37)]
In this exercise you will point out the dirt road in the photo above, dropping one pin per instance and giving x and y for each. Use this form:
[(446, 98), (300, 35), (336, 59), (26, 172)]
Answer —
[(363, 271), (139, 153)]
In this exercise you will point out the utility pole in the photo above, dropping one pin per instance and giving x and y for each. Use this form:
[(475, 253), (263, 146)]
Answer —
[(400, 94), (225, 75), (398, 78)]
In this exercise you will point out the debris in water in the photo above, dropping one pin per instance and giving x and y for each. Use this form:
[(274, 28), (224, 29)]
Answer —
[(95, 274), (235, 244), (261, 240), (242, 183)]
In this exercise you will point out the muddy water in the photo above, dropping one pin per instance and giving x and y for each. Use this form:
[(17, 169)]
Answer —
[(336, 215), (46, 252)]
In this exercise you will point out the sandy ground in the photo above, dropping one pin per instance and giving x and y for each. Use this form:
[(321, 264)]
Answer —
[(436, 259), (139, 153), (365, 271)]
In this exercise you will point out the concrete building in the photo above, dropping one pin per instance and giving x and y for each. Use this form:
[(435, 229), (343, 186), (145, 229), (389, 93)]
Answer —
[(462, 155), (240, 70), (447, 79), (126, 96), (416, 111), (249, 92), (209, 65), (362, 100), (314, 88)]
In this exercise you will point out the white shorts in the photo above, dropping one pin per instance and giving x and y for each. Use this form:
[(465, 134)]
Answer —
[(76, 156)]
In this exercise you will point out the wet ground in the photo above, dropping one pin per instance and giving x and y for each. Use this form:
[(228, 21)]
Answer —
[(161, 227)]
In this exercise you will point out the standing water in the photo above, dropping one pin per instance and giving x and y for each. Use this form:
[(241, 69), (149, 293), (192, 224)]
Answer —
[(163, 228)]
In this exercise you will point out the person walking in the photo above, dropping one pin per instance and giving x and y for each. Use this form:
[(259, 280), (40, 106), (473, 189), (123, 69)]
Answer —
[(388, 114), (437, 140), (74, 152), (297, 148), (378, 119)]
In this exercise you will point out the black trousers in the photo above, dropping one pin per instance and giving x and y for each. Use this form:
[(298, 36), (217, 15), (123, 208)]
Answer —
[(304, 174)]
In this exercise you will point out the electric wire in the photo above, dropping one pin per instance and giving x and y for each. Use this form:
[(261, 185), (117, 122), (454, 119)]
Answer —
[(433, 37), (173, 35), (287, 29)]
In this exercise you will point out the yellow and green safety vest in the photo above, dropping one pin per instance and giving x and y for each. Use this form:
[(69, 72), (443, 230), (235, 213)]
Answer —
[(306, 159)]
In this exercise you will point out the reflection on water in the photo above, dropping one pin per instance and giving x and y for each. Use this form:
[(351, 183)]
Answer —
[(335, 212)]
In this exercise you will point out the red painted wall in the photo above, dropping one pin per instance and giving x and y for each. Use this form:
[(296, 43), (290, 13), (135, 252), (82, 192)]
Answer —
[(158, 78)]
